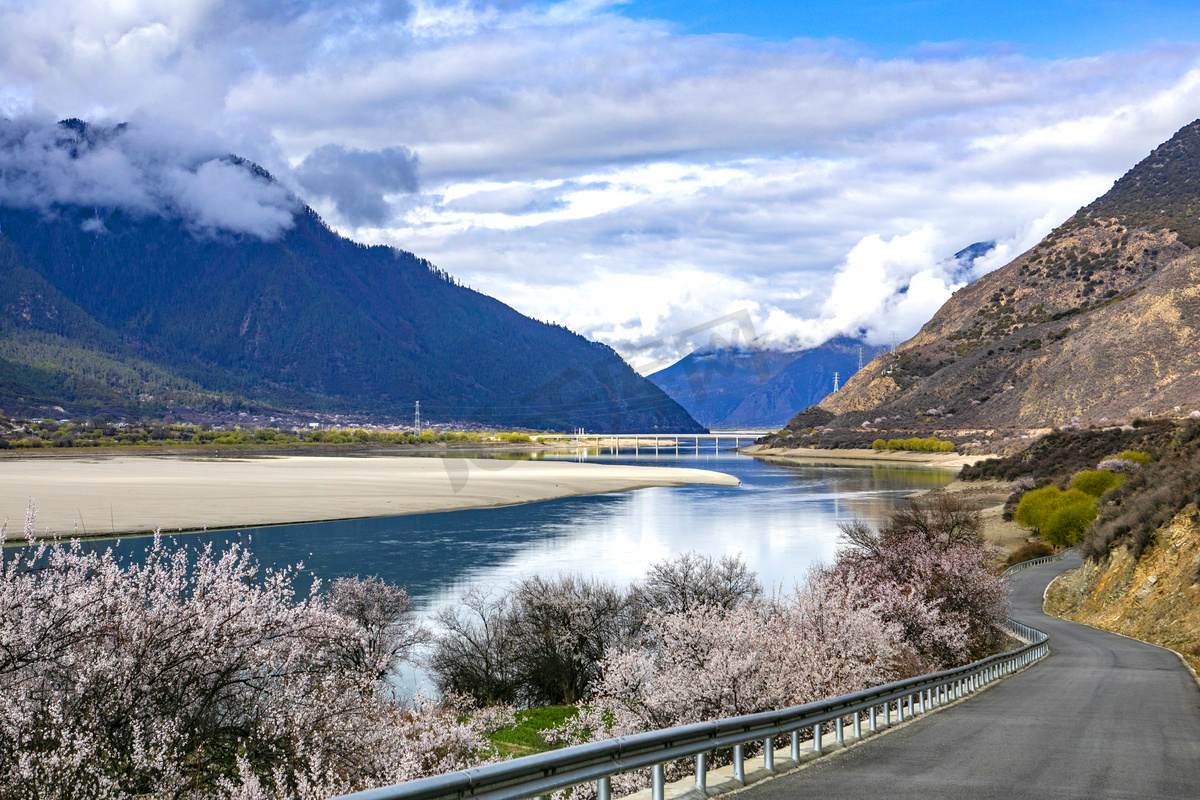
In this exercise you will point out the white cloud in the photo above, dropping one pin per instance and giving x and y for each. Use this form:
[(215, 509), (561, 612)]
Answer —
[(137, 168), (614, 175)]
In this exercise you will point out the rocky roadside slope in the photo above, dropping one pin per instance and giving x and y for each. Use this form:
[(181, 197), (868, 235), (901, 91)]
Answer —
[(1155, 598)]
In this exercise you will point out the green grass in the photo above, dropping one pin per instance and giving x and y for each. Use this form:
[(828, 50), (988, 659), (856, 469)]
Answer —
[(525, 737)]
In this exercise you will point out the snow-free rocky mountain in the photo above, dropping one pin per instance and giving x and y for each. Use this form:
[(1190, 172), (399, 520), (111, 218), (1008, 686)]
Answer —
[(1096, 323)]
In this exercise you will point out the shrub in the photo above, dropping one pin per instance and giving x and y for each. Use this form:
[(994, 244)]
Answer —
[(1136, 456), (1066, 525), (1120, 465), (1039, 505), (1058, 455), (879, 444), (1096, 481), (1150, 497)]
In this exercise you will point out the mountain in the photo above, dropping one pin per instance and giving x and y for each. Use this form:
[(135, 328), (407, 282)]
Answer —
[(729, 388), (117, 308), (1097, 322)]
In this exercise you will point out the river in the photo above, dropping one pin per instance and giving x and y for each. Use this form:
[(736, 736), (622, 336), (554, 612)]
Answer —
[(781, 519)]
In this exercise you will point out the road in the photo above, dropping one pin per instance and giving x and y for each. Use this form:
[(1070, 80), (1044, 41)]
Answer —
[(1101, 717)]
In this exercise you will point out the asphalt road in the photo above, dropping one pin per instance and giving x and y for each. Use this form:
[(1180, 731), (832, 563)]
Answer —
[(1101, 717)]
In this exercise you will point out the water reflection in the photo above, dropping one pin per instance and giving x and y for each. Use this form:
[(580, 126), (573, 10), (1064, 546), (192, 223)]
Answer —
[(783, 518)]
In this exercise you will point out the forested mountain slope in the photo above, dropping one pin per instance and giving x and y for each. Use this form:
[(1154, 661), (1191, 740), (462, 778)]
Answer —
[(306, 320)]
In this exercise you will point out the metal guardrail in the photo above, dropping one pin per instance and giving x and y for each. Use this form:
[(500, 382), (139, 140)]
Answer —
[(536, 776), (1033, 562)]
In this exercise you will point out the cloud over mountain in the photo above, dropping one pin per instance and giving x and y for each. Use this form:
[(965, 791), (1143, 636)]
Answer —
[(45, 164), (618, 175)]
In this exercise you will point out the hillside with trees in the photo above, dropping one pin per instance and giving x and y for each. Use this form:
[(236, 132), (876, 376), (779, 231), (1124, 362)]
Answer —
[(111, 308)]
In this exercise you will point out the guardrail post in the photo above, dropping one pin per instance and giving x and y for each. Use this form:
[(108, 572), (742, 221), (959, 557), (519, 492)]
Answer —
[(838, 738), (922, 696), (604, 789), (857, 725), (769, 754), (739, 764), (796, 746), (872, 723), (657, 782), (817, 738), (701, 773)]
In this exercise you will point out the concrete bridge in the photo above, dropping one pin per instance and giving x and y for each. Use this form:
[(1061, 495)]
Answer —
[(655, 442)]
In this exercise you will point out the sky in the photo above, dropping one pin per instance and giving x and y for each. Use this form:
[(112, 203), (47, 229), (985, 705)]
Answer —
[(630, 170)]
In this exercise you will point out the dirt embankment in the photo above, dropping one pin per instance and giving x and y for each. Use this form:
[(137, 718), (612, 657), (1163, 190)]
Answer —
[(1155, 598)]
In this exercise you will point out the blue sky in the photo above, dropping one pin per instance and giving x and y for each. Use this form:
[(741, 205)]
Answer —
[(617, 167), (1041, 29)]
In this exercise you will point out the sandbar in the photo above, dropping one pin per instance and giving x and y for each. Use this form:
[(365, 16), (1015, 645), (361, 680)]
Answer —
[(139, 494), (812, 455)]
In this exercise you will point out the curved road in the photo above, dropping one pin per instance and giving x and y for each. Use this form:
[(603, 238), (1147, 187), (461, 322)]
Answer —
[(1101, 717)]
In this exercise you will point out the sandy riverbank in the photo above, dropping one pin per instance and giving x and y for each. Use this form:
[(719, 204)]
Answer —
[(808, 456), (126, 494)]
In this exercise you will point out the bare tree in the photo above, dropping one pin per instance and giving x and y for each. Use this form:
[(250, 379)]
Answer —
[(693, 579), (563, 628), (474, 652), (944, 522)]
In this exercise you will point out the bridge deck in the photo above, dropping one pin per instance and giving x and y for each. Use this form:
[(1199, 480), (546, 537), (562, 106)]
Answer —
[(1101, 717)]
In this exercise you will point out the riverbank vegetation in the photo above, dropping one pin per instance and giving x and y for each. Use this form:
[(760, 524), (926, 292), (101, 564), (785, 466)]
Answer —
[(930, 444), (197, 673), (36, 435)]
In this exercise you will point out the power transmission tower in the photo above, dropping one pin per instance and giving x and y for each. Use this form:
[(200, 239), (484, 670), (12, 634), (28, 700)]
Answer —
[(417, 423), (893, 341), (860, 356), (835, 381)]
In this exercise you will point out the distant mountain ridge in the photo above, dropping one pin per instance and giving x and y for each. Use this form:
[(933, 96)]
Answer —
[(1096, 323), (107, 309), (755, 389)]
